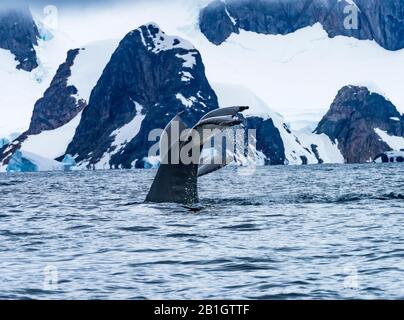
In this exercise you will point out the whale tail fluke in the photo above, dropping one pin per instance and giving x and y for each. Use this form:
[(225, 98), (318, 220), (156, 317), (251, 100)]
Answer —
[(175, 180)]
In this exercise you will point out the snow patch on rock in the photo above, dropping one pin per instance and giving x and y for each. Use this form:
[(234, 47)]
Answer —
[(121, 137), (394, 142), (187, 102), (156, 40), (125, 134), (188, 58)]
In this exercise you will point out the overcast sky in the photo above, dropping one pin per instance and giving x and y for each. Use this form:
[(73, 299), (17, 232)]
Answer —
[(67, 3), (93, 20), (38, 5)]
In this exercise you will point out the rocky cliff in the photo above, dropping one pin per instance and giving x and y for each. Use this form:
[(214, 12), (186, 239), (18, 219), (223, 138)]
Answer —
[(378, 20), (352, 120), (19, 34), (269, 140), (59, 104)]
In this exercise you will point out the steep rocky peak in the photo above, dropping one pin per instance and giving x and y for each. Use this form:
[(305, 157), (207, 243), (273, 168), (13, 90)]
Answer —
[(353, 118), (361, 99), (59, 104), (156, 40), (163, 74)]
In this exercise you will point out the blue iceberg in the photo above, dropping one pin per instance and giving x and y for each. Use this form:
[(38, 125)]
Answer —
[(68, 162), (23, 161), (151, 162), (18, 163)]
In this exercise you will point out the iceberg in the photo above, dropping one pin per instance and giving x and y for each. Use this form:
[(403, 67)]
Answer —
[(23, 161), (151, 162), (68, 162)]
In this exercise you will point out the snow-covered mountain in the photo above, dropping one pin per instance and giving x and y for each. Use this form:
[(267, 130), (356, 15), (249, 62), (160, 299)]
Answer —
[(27, 65), (57, 114), (150, 78), (284, 145), (98, 106)]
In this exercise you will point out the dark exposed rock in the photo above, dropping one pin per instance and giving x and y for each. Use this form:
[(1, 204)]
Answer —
[(352, 120), (304, 160), (59, 105), (150, 69), (314, 149), (215, 22), (379, 20), (19, 34), (385, 20), (269, 140), (390, 157)]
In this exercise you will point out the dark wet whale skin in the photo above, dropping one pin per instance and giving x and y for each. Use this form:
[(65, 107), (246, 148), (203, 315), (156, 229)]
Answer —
[(178, 183)]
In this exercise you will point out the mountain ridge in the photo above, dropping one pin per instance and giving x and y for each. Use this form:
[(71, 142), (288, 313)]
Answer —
[(378, 20)]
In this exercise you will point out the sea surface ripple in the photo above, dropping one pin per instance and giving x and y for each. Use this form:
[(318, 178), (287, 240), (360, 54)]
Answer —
[(306, 232)]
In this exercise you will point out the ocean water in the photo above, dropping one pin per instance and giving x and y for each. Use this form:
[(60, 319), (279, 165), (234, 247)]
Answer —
[(307, 232)]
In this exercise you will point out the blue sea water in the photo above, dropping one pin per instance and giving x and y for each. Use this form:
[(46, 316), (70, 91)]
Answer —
[(306, 232)]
